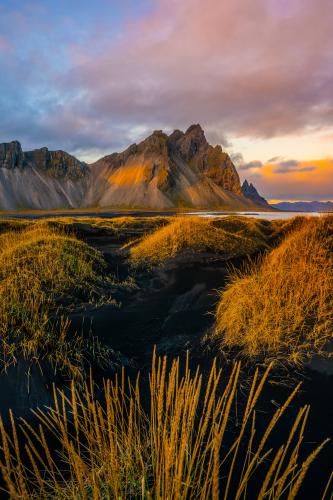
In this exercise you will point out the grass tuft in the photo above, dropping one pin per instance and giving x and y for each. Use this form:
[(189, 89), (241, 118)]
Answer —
[(187, 445), (282, 307)]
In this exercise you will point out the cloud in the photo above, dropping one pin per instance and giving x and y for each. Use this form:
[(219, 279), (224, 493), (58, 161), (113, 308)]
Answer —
[(251, 164), (250, 75), (281, 166), (255, 68), (275, 159), (237, 159), (240, 164), (288, 169), (217, 137), (288, 163), (309, 180)]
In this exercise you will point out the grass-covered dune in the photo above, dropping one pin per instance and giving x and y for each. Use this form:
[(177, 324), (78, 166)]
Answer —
[(277, 307), (281, 307), (178, 432), (228, 238), (117, 225), (38, 266)]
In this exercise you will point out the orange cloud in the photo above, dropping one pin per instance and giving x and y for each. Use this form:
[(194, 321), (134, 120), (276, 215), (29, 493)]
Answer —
[(296, 180)]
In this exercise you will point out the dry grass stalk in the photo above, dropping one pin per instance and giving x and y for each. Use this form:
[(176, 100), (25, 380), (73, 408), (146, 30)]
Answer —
[(179, 449)]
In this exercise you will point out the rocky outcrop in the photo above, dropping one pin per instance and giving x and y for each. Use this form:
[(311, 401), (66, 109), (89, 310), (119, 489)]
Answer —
[(58, 164), (252, 194), (180, 170), (11, 155), (215, 164)]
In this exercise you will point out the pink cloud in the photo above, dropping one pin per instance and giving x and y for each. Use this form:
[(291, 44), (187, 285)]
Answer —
[(248, 67)]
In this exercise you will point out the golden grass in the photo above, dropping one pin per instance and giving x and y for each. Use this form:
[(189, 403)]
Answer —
[(282, 307), (38, 265), (187, 445), (74, 225), (115, 225), (198, 234)]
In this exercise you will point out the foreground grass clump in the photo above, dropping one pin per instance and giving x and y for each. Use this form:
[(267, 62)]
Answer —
[(192, 235), (38, 266), (187, 445), (282, 307)]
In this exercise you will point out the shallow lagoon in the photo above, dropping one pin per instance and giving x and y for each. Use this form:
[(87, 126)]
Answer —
[(274, 215), (259, 215)]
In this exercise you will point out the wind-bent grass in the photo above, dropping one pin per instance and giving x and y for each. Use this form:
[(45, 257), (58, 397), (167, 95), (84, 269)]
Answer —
[(282, 307), (198, 234), (188, 445), (38, 265)]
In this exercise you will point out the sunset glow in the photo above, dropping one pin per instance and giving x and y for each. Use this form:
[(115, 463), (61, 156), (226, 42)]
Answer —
[(293, 180), (257, 75)]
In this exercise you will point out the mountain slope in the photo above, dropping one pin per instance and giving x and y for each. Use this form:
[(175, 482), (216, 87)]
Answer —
[(40, 179), (179, 170)]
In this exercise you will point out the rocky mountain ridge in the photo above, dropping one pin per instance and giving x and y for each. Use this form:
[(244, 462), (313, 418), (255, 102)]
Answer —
[(251, 192), (163, 171), (57, 163)]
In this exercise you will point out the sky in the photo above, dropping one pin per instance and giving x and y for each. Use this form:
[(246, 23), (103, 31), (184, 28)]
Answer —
[(91, 77)]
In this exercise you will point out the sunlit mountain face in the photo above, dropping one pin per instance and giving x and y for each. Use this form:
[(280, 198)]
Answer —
[(257, 74)]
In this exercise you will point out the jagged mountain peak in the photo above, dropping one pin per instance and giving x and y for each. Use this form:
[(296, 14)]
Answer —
[(11, 155), (195, 128), (191, 142), (252, 194), (58, 164), (180, 169), (162, 171)]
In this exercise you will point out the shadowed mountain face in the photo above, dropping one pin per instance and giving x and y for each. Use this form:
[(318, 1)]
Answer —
[(179, 170), (250, 192), (57, 163)]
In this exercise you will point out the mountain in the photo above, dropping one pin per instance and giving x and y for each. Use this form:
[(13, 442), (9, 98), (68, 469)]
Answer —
[(304, 206), (179, 170), (162, 171), (250, 192), (40, 179)]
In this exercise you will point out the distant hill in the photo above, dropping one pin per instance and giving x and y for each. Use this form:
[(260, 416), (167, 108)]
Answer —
[(304, 206), (180, 170)]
